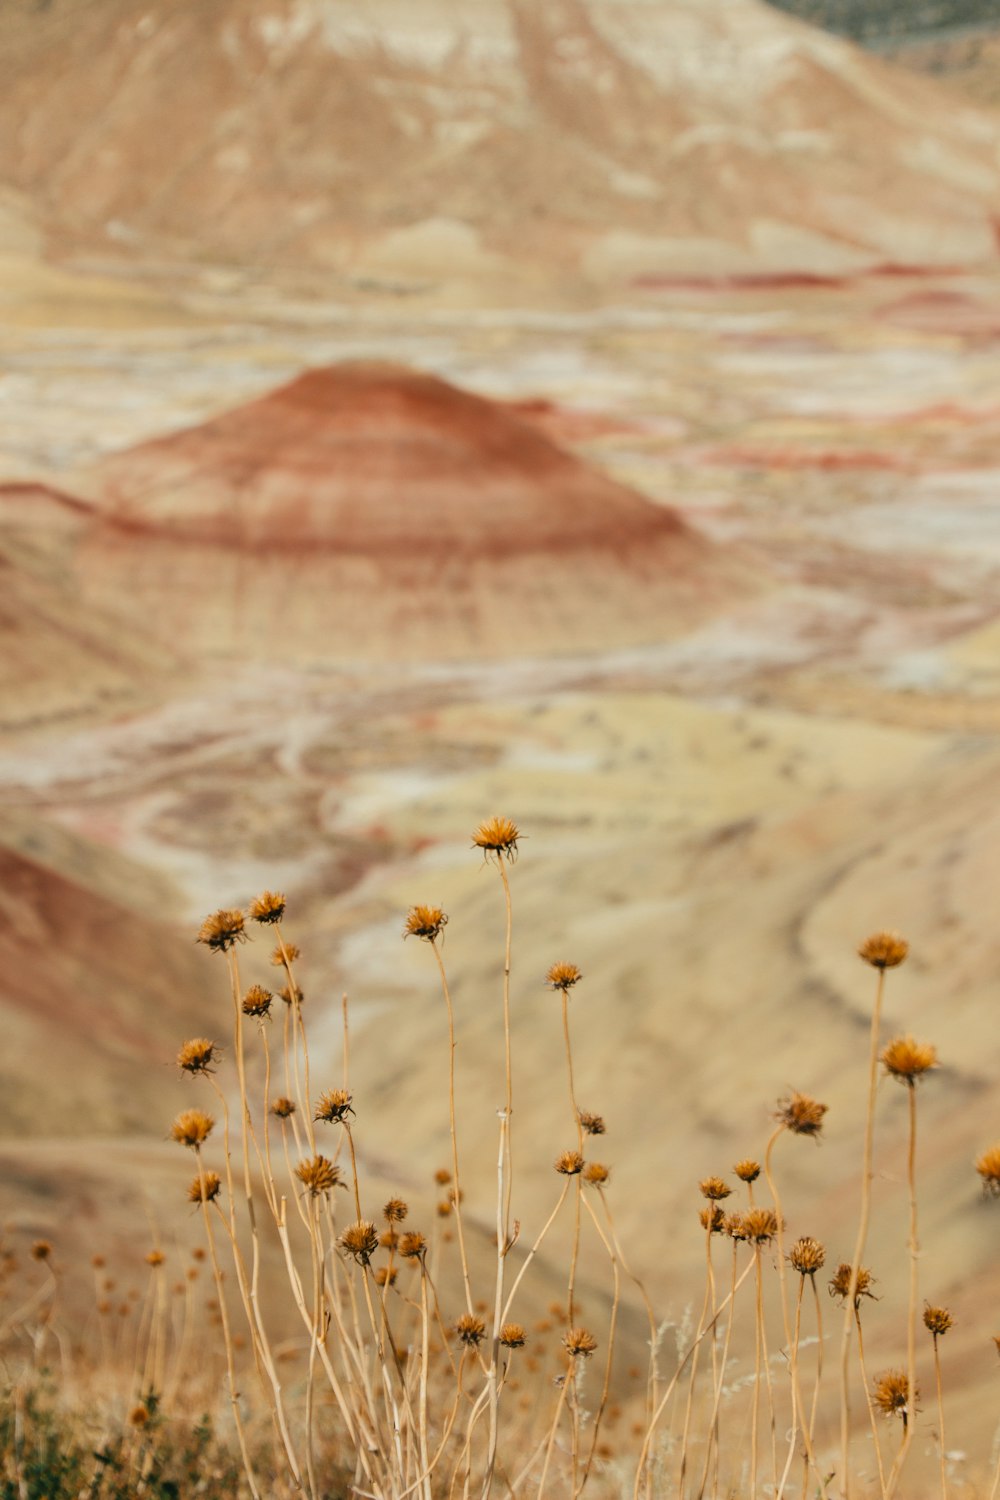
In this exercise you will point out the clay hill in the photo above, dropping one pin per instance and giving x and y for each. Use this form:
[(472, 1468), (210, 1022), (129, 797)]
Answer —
[(612, 138), (368, 511)]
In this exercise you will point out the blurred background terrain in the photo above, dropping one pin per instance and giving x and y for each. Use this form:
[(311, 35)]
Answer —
[(584, 412)]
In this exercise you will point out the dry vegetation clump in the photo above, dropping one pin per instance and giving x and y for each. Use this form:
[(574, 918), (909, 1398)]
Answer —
[(412, 1372)]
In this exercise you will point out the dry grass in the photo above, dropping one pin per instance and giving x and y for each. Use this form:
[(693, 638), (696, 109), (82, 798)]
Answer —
[(409, 1373)]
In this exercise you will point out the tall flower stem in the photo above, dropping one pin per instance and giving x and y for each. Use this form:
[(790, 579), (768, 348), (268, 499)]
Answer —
[(860, 1242), (911, 1325), (453, 1126)]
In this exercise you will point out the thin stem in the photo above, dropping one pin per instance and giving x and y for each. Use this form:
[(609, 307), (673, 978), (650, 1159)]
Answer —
[(504, 1178), (859, 1247), (870, 1402), (453, 1127), (940, 1406), (910, 1414)]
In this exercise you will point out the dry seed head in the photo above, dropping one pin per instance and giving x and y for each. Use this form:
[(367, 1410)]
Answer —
[(221, 930), (282, 954), (289, 992), (444, 1208), (747, 1170), (512, 1336), (884, 950), (257, 1001), (424, 922), (198, 1055), (412, 1245), (807, 1256), (385, 1276), (840, 1283), (907, 1059), (283, 1107), (937, 1320), (360, 1240), (800, 1114), (497, 836), (591, 1124), (569, 1163), (395, 1211), (441, 1176), (318, 1174), (470, 1329), (988, 1167), (192, 1127), (138, 1416), (733, 1226), (760, 1225), (155, 1258), (891, 1391), (596, 1173), (712, 1219), (563, 977), (714, 1188), (268, 907), (41, 1250), (334, 1106), (205, 1189), (579, 1342), (389, 1239)]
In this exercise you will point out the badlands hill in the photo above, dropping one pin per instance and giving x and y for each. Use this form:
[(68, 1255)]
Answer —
[(609, 137), (368, 511)]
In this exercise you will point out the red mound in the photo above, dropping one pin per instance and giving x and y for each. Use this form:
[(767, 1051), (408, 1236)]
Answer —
[(378, 460), (368, 509)]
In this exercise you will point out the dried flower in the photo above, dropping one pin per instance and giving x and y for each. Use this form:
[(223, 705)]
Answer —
[(139, 1416), (579, 1342), (41, 1250), (318, 1174), (937, 1320), (712, 1219), (268, 907), (192, 1127), (283, 1107), (205, 1189), (222, 930), (291, 993), (470, 1329), (497, 836), (747, 1170), (733, 1226), (563, 977), (385, 1276), (284, 953), (395, 1211), (891, 1391), (596, 1173), (412, 1245), (424, 922), (807, 1256), (257, 1001), (840, 1283), (800, 1114), (714, 1188), (197, 1056), (512, 1336), (444, 1208), (569, 1163), (884, 950), (908, 1060), (988, 1167), (441, 1176), (760, 1225), (360, 1240), (334, 1106), (389, 1239), (155, 1258), (591, 1124)]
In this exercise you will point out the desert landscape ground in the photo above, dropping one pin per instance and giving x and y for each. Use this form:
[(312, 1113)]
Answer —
[(663, 521)]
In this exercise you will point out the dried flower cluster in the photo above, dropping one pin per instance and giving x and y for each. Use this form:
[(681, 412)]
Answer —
[(424, 922), (884, 950), (800, 1114), (222, 930), (192, 1127), (318, 1175), (497, 836), (563, 977)]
